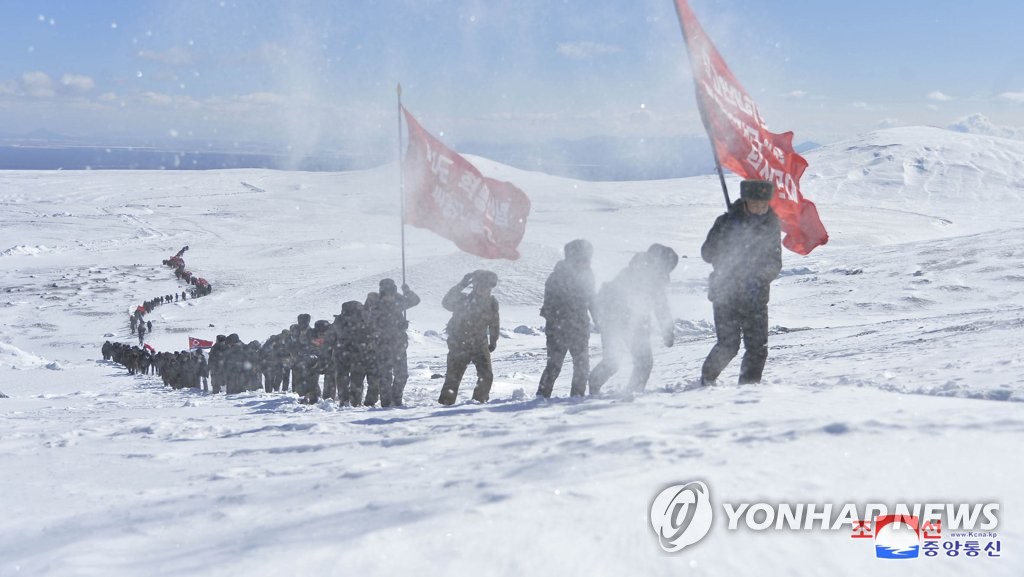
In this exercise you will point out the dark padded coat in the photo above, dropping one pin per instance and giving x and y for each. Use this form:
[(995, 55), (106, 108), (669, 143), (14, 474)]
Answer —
[(475, 320), (746, 254), (568, 299)]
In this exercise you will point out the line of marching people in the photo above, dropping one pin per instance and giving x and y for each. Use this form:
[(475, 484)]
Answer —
[(137, 324), (181, 369), (178, 370), (361, 354), (200, 286)]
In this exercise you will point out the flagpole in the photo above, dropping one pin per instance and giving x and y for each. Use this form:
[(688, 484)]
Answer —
[(700, 107), (721, 176), (401, 182)]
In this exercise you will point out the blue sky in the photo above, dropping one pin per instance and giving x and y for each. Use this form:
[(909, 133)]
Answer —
[(313, 75)]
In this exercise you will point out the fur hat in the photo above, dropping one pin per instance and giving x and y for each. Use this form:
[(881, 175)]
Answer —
[(349, 308), (757, 190), (579, 250), (388, 285), (485, 278), (664, 256)]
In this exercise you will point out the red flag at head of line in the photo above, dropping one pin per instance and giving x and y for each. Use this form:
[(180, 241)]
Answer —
[(449, 196), (742, 142), (195, 344)]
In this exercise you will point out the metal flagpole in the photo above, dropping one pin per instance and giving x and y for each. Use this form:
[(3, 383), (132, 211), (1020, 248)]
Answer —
[(401, 186), (703, 115), (401, 180)]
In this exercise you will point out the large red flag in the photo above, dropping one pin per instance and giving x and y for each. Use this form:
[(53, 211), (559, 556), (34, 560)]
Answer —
[(448, 195), (743, 142)]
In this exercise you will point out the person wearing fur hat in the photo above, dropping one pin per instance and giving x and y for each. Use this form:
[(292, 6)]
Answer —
[(472, 334), (745, 251), (625, 307), (568, 300)]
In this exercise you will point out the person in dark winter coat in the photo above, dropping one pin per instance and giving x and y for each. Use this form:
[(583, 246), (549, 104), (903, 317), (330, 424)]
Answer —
[(252, 377), (625, 306), (353, 352), (329, 343), (234, 365), (472, 334), (301, 350), (320, 363), (273, 359), (393, 341), (202, 370), (218, 372), (568, 300), (373, 338), (745, 249)]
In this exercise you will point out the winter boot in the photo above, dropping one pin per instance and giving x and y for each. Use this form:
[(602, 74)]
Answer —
[(448, 396)]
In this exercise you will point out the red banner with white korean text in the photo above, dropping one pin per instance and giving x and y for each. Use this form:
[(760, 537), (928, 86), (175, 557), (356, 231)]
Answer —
[(743, 142), (448, 195)]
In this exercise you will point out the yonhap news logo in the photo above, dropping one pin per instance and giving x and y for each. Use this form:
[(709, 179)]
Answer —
[(681, 515)]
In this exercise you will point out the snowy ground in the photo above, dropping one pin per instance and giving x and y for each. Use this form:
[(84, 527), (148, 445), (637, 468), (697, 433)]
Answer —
[(895, 375)]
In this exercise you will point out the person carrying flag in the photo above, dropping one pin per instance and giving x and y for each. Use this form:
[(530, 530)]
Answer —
[(745, 251)]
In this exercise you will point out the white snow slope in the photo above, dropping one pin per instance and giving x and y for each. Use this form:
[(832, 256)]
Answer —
[(895, 375)]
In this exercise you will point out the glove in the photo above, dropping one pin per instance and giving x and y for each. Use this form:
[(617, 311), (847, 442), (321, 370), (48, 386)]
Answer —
[(405, 288), (468, 279), (492, 346)]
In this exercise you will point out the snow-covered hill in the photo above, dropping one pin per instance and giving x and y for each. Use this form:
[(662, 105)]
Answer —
[(891, 184), (894, 376)]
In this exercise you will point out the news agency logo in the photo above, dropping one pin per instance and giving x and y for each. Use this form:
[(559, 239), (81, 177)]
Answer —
[(907, 536), (897, 537), (681, 515)]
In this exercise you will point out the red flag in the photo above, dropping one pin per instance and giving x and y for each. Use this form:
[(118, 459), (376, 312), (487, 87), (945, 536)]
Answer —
[(448, 195), (148, 347), (194, 344), (743, 142)]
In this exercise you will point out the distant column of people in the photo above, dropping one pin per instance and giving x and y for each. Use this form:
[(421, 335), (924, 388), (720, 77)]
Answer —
[(361, 355), (138, 325)]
